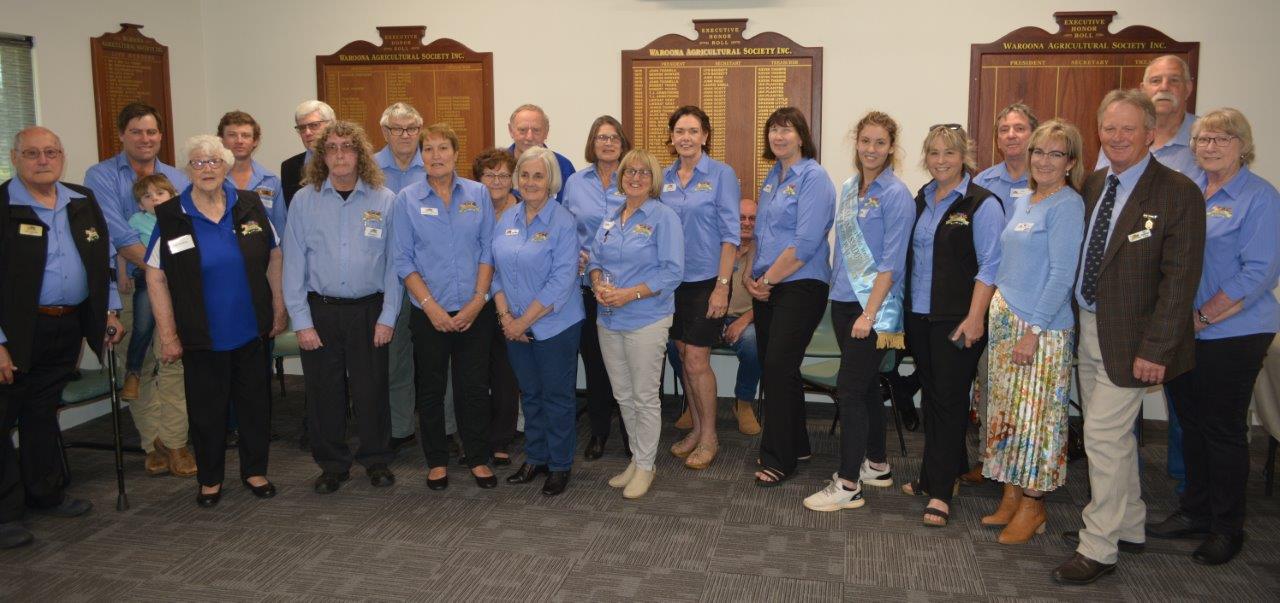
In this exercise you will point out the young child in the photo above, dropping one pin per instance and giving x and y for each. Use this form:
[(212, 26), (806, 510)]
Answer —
[(149, 191)]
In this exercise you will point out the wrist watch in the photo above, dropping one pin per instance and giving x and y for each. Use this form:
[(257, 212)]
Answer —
[(764, 280), (637, 294), (722, 281)]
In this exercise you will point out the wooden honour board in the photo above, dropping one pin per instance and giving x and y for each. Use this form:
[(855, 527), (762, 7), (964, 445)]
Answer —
[(444, 80), (129, 67), (738, 81), (1063, 74)]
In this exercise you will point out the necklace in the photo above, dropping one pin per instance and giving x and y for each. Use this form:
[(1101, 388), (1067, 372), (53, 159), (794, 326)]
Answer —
[(1043, 197)]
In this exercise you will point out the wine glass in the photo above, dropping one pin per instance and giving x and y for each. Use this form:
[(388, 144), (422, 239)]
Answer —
[(606, 284)]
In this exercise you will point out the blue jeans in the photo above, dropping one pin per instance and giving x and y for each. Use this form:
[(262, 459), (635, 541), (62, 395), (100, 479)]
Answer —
[(547, 371), (144, 327), (748, 381), (1176, 466)]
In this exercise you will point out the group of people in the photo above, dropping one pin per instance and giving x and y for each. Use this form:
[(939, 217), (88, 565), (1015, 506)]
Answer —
[(400, 277)]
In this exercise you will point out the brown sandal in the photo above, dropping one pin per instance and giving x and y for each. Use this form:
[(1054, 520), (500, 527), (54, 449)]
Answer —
[(702, 456), (681, 450)]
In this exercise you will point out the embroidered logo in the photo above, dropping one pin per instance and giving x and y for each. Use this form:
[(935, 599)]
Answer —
[(249, 228), (873, 202), (790, 190), (468, 206), (1218, 211), (702, 186), (958, 220), (91, 234), (539, 237), (371, 215), (643, 229), (264, 192)]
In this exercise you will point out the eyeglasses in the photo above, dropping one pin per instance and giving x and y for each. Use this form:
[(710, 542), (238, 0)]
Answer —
[(346, 147), (1218, 141), (34, 154), (313, 126), (633, 172), (1055, 155), (203, 164), (607, 138), (495, 177), (410, 131), (946, 126)]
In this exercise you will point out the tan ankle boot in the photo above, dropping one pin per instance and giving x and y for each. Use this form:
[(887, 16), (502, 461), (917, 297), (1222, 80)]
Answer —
[(1028, 521), (686, 419), (622, 479), (157, 461), (639, 484), (1008, 507), (181, 462), (130, 390), (974, 476), (747, 423)]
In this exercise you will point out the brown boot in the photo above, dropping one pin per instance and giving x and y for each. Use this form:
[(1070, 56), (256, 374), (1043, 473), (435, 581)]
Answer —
[(157, 462), (1029, 520), (1008, 507), (686, 419), (747, 423), (130, 389), (974, 476), (181, 462)]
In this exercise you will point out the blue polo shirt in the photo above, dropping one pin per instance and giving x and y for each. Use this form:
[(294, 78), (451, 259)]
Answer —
[(538, 261), (708, 207), (398, 179), (885, 220), (270, 191), (1176, 154), (797, 210), (988, 222), (1242, 254), (445, 245), (997, 180), (648, 249), (566, 170), (112, 184)]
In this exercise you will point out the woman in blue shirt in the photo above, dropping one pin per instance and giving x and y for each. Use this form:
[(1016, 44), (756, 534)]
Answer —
[(1236, 318), (590, 194), (535, 250), (704, 193), (1032, 333), (441, 249), (873, 225), (788, 283), (637, 261)]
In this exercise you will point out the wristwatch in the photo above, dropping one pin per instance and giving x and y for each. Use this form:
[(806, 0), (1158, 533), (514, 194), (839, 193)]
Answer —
[(1036, 330), (764, 280), (723, 281), (1204, 319)]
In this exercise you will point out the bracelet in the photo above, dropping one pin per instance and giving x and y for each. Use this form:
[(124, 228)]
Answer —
[(869, 317), (1204, 319), (423, 301)]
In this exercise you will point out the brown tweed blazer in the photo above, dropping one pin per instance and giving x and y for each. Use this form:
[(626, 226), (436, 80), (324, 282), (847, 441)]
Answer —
[(1147, 287)]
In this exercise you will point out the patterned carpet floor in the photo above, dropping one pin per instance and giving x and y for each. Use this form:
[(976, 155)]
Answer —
[(698, 536)]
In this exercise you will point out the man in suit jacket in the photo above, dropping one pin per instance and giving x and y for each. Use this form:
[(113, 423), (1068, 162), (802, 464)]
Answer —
[(1139, 267), (311, 117)]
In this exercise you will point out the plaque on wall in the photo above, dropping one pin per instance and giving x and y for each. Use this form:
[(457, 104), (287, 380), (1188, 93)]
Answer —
[(1063, 74), (129, 67), (738, 81), (444, 80)]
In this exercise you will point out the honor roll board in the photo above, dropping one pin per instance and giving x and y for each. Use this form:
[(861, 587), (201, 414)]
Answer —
[(444, 80), (1063, 74), (738, 81), (129, 67)]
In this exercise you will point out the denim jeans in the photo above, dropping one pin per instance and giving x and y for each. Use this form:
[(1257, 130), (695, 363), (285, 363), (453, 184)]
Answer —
[(547, 370), (144, 327)]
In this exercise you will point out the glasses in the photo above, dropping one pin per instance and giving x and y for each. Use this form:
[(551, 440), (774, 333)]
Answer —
[(946, 127), (495, 177), (608, 138), (410, 131), (633, 172), (1055, 155), (313, 126), (345, 147), (34, 154), (1218, 141), (204, 164)]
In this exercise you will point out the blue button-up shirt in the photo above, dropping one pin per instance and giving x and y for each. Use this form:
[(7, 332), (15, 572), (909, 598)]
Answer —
[(1176, 154), (1242, 254), (587, 199), (988, 221), (1128, 180), (398, 179), (112, 184), (709, 207), (270, 191), (445, 245), (886, 227), (796, 209), (566, 170), (997, 180), (538, 261), (338, 248), (648, 249)]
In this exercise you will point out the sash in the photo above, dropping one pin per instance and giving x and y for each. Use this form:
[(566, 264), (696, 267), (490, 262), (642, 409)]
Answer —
[(860, 267)]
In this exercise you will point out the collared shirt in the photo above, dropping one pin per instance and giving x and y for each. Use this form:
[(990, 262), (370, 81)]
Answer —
[(339, 248), (1242, 254), (988, 221), (648, 249), (397, 178), (796, 210), (112, 184), (1128, 180), (885, 218), (270, 191), (1176, 154), (587, 199), (566, 170), (708, 207), (740, 298), (537, 260), (1039, 249), (65, 281), (997, 180), (143, 223), (444, 244)]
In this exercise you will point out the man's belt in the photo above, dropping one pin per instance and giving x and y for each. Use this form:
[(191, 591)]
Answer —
[(56, 311), (343, 301)]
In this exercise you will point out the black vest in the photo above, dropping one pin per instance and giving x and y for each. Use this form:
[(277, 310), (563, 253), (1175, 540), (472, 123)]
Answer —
[(22, 262), (955, 260), (186, 280)]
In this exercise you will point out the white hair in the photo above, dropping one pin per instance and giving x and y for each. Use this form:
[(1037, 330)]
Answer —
[(548, 157), (205, 144), (308, 107), (400, 111), (1186, 69)]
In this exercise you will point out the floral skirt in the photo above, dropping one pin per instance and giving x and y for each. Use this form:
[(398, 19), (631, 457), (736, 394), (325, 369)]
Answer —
[(1027, 406)]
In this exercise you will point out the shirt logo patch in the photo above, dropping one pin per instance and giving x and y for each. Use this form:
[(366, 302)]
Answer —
[(643, 229), (669, 187), (958, 220), (91, 234), (873, 202), (371, 215), (30, 230), (1218, 211), (468, 206), (249, 228), (264, 192), (539, 237), (702, 186), (790, 190)]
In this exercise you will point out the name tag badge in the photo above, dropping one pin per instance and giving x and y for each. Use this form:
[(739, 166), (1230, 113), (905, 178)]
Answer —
[(375, 233), (181, 243), (768, 188), (511, 232), (31, 230), (862, 213), (668, 187), (607, 224), (1140, 235), (1023, 226), (267, 202), (429, 211), (1020, 192)]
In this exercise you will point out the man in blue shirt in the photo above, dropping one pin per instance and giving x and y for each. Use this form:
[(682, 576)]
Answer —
[(529, 127), (240, 133), (1008, 179)]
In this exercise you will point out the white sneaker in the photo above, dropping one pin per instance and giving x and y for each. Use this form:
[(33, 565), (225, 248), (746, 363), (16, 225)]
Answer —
[(873, 477), (834, 497)]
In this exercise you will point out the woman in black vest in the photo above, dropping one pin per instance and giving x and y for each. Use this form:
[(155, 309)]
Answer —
[(951, 269), (213, 272)]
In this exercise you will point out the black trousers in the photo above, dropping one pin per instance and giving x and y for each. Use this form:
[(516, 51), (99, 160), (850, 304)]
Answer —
[(601, 405), (1212, 402), (34, 477), (347, 362), (467, 355), (946, 372), (784, 327), (862, 422), (212, 381), (504, 391)]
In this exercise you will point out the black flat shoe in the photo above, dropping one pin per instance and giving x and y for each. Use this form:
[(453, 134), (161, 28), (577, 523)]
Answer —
[(69, 507), (1125, 546), (1218, 549), (266, 490), (380, 476), (328, 483), (486, 482), (526, 473), (207, 500), (595, 448), (502, 461), (556, 482), (1178, 525), (438, 484)]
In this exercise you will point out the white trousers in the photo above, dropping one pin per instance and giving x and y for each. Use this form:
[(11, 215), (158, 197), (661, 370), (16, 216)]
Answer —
[(634, 362)]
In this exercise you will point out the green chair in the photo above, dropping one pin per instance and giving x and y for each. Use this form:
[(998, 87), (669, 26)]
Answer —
[(286, 345), (92, 386)]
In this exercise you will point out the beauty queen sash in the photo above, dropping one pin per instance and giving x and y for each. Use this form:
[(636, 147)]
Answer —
[(860, 266)]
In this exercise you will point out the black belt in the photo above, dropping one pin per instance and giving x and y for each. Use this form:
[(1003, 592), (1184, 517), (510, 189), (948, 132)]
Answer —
[(343, 301)]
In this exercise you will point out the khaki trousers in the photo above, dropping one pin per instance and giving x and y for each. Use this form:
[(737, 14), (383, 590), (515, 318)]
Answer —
[(1116, 511), (634, 362), (161, 408)]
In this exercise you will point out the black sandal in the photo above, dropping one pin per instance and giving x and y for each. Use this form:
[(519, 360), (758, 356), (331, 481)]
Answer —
[(939, 513), (776, 477)]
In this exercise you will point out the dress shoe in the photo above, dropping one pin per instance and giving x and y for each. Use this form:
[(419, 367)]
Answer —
[(747, 423), (328, 483), (69, 507), (398, 443), (380, 476), (501, 461), (157, 462), (439, 483), (1028, 521), (685, 421), (14, 535), (489, 482), (208, 500), (556, 482), (973, 477), (595, 448), (266, 490), (640, 482), (1081, 570), (1178, 525), (1125, 546), (130, 390), (1218, 549), (526, 473), (181, 462), (1008, 507)]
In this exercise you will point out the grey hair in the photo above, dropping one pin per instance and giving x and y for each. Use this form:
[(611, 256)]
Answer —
[(17, 137), (546, 121), (308, 107), (206, 144), (400, 111), (548, 157), (1134, 98), (1186, 69)]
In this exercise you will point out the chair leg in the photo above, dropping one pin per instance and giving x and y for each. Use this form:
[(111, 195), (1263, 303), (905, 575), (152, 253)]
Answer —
[(893, 409), (280, 374), (1270, 469), (66, 464)]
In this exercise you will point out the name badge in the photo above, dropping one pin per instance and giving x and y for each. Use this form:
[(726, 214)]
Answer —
[(30, 230), (668, 187), (511, 232), (428, 211), (375, 233), (1023, 226), (862, 213), (1020, 192), (607, 224), (768, 188), (181, 243), (1140, 235)]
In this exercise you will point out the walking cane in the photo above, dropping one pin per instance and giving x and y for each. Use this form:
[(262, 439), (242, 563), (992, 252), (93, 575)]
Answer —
[(122, 499)]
